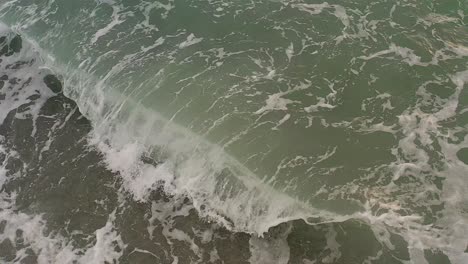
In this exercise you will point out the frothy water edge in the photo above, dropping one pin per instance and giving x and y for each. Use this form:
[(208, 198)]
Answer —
[(123, 149)]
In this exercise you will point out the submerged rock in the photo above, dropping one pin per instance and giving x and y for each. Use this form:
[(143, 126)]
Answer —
[(462, 154), (12, 47), (16, 44), (53, 83)]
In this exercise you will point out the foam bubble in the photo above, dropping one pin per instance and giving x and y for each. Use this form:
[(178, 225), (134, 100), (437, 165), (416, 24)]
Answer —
[(191, 40)]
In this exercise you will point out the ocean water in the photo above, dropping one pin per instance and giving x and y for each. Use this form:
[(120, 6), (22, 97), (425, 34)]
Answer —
[(278, 131)]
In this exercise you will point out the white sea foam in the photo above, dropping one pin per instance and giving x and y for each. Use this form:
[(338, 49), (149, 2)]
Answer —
[(191, 40), (407, 54), (238, 200), (313, 9), (31, 75), (270, 250), (290, 51), (225, 190), (449, 232), (30, 232), (26, 233), (115, 20), (275, 102), (220, 187)]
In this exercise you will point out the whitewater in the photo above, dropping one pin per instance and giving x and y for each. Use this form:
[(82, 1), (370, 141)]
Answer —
[(233, 132)]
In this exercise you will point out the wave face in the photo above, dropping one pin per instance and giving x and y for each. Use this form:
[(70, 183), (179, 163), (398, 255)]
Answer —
[(233, 132)]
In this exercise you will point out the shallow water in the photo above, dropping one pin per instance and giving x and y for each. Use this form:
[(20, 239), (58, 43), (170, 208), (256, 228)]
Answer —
[(233, 132)]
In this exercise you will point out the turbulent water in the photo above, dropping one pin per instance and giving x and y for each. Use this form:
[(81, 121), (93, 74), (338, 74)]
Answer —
[(265, 131)]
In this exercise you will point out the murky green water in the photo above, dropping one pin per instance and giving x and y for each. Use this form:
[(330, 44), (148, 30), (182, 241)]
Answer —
[(335, 131)]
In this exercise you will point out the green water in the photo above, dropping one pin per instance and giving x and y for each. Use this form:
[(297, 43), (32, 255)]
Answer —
[(262, 112)]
